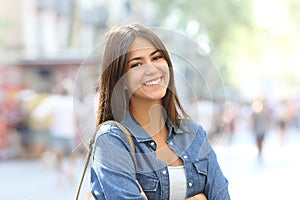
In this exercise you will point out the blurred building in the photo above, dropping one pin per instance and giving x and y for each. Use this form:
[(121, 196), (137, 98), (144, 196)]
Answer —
[(33, 29), (45, 41), (11, 40), (41, 33)]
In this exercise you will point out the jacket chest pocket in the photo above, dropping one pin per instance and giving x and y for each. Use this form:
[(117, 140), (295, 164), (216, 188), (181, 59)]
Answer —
[(149, 182), (201, 167)]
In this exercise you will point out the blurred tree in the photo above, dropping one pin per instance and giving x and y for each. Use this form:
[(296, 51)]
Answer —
[(294, 12), (245, 43), (222, 21)]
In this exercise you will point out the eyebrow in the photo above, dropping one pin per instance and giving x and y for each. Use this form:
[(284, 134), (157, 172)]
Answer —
[(139, 58)]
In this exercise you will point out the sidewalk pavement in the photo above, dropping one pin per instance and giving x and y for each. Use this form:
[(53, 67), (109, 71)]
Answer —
[(273, 176), (38, 180)]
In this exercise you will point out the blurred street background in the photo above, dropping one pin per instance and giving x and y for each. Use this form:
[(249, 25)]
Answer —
[(241, 59)]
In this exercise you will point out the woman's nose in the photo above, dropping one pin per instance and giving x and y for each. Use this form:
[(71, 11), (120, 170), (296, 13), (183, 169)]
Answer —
[(150, 68)]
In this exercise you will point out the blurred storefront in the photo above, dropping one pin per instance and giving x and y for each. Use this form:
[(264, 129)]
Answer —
[(23, 85)]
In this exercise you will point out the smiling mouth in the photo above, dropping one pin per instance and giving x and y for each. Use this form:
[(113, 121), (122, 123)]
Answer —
[(153, 82)]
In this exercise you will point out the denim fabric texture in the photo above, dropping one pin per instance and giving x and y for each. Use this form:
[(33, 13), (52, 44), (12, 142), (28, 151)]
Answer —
[(115, 168)]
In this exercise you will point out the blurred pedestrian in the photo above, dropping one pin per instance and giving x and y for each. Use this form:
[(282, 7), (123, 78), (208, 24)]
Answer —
[(282, 115), (23, 125), (62, 127), (260, 122)]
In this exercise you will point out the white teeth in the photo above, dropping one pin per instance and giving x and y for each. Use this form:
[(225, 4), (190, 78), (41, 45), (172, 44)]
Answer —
[(150, 83)]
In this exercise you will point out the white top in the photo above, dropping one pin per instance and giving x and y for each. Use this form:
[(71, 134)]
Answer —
[(60, 108), (177, 182)]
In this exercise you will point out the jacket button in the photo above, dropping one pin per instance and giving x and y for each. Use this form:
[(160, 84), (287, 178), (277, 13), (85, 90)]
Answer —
[(164, 171), (190, 184)]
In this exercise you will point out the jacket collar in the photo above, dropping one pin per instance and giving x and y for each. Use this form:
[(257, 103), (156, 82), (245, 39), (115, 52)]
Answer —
[(139, 132)]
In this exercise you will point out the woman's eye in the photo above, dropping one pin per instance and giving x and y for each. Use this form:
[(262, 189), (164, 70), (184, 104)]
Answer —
[(135, 64), (157, 57)]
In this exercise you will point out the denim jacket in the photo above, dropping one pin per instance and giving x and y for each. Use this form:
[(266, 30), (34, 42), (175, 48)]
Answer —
[(115, 169)]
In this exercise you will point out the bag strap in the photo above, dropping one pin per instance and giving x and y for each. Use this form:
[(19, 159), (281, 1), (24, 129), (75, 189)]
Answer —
[(123, 129), (92, 140)]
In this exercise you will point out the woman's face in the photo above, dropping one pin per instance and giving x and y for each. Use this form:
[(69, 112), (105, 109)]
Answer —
[(147, 76)]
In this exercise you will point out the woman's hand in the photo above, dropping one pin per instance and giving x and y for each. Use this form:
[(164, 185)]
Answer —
[(200, 196)]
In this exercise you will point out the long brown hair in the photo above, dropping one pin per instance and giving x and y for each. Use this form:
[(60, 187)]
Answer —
[(113, 100)]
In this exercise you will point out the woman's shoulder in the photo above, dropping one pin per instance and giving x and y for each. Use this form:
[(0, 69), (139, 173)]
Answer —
[(188, 125), (111, 138), (109, 130)]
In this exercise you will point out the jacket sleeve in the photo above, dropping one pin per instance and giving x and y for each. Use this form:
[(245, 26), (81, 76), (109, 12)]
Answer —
[(113, 168)]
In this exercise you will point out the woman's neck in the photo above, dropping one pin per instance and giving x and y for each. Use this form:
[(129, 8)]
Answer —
[(151, 117)]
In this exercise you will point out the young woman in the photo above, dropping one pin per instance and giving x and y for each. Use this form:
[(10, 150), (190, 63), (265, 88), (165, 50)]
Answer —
[(173, 158)]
